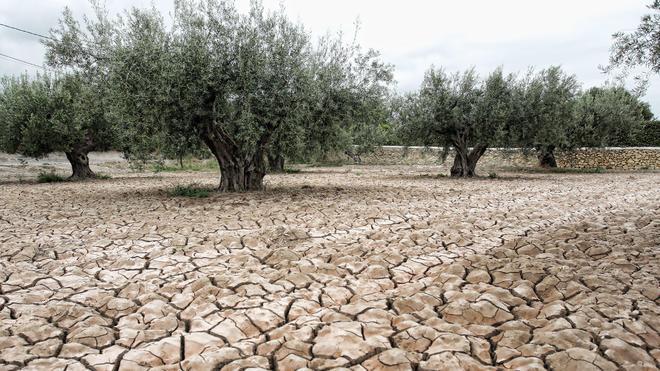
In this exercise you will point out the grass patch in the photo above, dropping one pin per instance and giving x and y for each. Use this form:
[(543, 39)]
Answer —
[(492, 175), (191, 191), (103, 176), (50, 178), (291, 171)]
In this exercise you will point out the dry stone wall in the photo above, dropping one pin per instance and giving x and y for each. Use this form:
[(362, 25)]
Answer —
[(612, 158), (636, 158)]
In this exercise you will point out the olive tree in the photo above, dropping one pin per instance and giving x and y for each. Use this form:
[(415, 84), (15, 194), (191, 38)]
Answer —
[(459, 111), (227, 79), (545, 103), (553, 113), (46, 114), (238, 83), (608, 116)]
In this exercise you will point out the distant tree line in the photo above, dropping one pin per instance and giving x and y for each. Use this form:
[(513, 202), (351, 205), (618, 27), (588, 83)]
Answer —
[(254, 89), (543, 111)]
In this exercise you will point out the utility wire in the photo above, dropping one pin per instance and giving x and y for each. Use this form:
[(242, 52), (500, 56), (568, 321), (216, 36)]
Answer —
[(27, 32), (23, 61), (30, 33), (43, 37)]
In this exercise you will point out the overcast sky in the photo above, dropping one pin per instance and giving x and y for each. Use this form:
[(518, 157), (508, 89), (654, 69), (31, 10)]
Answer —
[(412, 34)]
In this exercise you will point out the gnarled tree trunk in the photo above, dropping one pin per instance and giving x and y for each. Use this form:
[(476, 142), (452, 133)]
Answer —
[(465, 162), (79, 165), (460, 166), (237, 177), (546, 156), (238, 173), (276, 162)]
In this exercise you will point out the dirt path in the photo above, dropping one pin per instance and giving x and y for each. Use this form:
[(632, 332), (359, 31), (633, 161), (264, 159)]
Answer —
[(376, 268)]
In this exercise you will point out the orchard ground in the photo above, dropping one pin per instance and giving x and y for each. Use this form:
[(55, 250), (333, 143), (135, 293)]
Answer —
[(354, 267)]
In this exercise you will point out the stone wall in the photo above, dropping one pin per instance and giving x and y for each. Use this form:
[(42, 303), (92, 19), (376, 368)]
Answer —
[(612, 158), (606, 158)]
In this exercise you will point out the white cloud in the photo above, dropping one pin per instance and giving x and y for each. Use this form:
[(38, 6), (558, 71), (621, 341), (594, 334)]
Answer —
[(413, 34)]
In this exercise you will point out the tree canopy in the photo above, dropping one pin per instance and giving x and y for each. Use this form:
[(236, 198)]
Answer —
[(53, 113)]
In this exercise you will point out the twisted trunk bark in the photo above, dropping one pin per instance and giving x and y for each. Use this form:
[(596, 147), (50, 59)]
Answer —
[(465, 163), (238, 173), (240, 177), (460, 167), (546, 156), (79, 165)]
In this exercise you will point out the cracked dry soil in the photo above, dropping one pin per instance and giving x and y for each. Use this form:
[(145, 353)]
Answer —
[(378, 270)]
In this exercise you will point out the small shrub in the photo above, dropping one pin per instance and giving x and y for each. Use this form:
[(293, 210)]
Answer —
[(492, 175), (192, 191), (50, 178)]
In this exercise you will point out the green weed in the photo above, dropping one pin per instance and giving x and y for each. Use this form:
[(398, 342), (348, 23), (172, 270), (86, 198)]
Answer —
[(50, 178), (191, 191)]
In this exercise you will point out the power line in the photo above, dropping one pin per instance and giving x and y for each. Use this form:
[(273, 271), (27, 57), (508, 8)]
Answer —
[(27, 32), (44, 37), (30, 33), (23, 61)]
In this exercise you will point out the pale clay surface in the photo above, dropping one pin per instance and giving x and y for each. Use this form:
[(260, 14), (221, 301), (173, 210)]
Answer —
[(379, 268)]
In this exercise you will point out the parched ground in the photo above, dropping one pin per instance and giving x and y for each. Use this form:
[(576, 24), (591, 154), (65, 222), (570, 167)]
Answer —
[(362, 268)]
